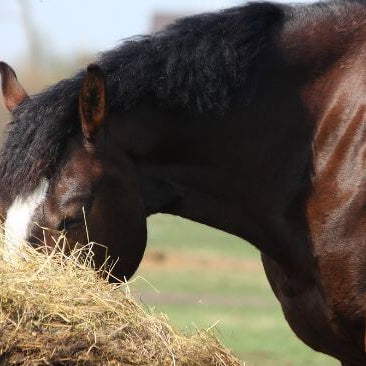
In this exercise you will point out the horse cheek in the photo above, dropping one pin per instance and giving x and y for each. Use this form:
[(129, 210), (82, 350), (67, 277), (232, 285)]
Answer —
[(119, 222)]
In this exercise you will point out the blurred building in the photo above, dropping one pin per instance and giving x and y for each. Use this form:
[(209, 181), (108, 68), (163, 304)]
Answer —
[(160, 20)]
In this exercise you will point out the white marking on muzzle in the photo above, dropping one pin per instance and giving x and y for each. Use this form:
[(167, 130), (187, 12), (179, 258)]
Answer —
[(18, 220)]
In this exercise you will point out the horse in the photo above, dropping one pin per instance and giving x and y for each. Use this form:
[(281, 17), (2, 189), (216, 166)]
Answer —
[(251, 120)]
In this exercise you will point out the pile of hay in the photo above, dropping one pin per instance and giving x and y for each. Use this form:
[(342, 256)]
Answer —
[(55, 309)]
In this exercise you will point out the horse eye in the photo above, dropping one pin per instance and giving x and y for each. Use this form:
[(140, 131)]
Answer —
[(71, 223)]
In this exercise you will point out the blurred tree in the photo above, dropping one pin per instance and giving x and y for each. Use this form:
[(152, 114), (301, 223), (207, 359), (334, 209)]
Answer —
[(34, 40)]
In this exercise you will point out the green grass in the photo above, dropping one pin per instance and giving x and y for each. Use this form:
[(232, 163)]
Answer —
[(205, 276), (170, 233)]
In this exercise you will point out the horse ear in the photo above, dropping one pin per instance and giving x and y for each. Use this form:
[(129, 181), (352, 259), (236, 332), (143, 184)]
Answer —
[(92, 101), (13, 92)]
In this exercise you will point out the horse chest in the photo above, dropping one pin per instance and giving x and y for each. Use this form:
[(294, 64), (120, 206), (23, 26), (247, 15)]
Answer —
[(313, 318)]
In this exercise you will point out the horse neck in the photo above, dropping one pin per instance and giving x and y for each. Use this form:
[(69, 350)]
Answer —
[(244, 172)]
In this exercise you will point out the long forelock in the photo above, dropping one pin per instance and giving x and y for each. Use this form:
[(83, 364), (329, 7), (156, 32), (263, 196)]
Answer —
[(35, 140)]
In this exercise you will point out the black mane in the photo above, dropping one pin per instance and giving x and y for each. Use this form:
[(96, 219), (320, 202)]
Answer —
[(204, 64)]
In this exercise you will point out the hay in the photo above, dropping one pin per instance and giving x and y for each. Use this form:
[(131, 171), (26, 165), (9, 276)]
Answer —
[(55, 309)]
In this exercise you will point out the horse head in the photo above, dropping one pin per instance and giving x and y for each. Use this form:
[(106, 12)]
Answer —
[(90, 193)]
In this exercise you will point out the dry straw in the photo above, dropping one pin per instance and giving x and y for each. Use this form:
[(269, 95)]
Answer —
[(55, 309)]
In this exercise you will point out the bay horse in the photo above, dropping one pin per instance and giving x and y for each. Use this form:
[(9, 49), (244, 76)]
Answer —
[(251, 120)]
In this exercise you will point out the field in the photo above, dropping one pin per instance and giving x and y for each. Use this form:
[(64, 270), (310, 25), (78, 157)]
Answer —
[(208, 277)]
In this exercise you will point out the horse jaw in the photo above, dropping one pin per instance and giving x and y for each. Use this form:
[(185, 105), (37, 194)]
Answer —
[(18, 220)]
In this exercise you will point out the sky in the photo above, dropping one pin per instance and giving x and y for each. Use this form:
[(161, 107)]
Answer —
[(68, 27)]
